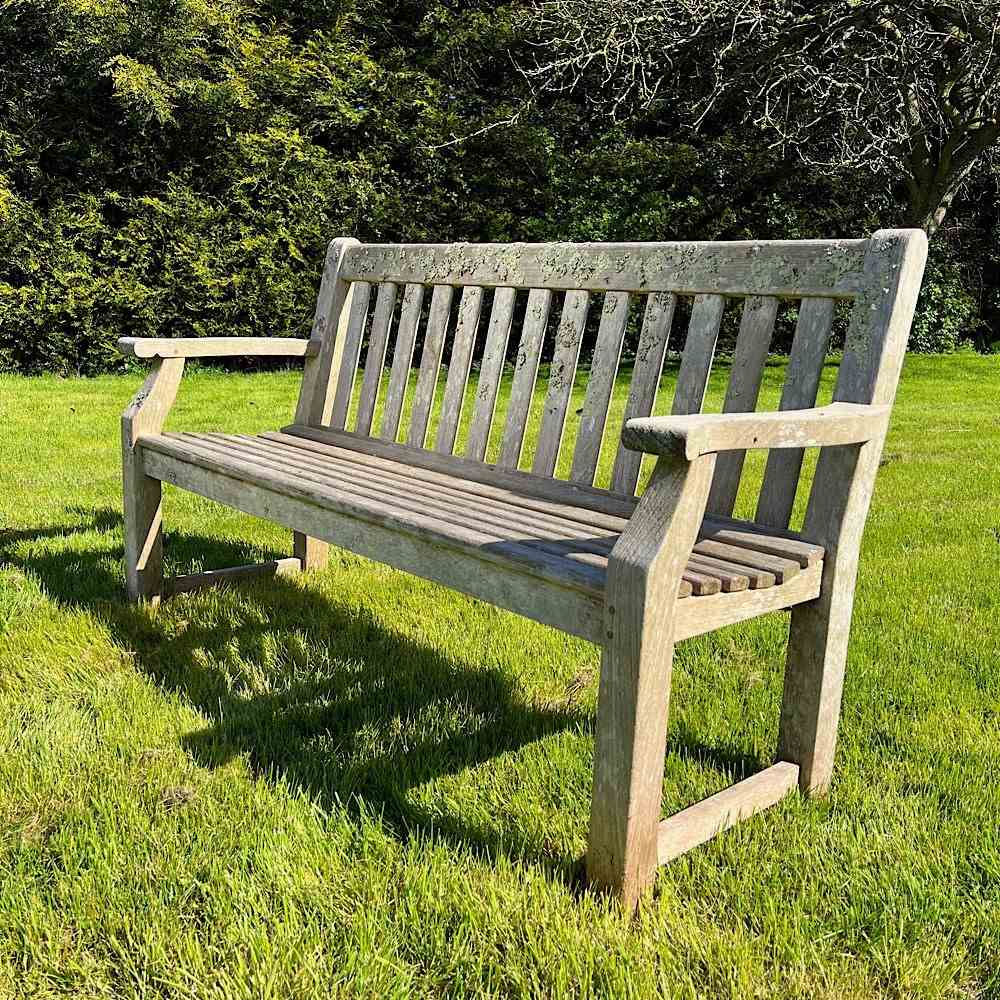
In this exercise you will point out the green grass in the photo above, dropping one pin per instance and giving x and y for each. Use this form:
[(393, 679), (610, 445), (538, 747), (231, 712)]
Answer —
[(358, 783)]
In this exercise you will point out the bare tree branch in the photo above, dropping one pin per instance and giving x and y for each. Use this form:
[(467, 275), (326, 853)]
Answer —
[(904, 89)]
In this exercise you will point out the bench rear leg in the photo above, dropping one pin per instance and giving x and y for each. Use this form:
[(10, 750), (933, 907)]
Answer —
[(310, 552), (814, 682)]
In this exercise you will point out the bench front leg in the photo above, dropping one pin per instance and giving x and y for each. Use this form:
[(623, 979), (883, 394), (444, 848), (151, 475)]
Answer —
[(644, 574), (141, 493)]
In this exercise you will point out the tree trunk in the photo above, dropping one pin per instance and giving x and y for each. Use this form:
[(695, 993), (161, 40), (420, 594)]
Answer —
[(931, 191)]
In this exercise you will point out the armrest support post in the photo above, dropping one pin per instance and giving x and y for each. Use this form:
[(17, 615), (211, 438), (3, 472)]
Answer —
[(148, 410), (144, 417)]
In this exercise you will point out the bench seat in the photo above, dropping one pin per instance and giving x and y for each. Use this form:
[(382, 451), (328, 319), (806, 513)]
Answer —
[(546, 530)]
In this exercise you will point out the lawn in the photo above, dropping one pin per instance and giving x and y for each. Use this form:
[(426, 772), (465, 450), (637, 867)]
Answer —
[(357, 783)]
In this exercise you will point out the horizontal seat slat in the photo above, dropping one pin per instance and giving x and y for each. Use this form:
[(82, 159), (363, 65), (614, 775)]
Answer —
[(783, 569), (760, 538), (585, 517), (732, 577), (486, 575), (494, 521), (559, 571), (542, 533), (444, 496), (575, 494)]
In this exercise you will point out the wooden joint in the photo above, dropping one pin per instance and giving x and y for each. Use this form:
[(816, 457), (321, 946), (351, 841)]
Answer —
[(702, 821), (214, 577)]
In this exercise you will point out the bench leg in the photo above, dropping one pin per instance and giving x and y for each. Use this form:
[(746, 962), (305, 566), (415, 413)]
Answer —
[(814, 682), (143, 532), (630, 747), (310, 552), (644, 572)]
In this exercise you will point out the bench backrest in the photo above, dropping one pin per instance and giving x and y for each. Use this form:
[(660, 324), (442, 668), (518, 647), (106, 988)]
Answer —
[(362, 283)]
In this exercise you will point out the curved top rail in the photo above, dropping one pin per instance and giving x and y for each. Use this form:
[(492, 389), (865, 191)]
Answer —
[(788, 269)]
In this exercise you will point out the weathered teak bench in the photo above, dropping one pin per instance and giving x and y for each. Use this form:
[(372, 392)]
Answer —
[(633, 575)]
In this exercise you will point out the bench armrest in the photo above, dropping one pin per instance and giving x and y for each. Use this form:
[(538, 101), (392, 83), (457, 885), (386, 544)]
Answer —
[(703, 433), (217, 347)]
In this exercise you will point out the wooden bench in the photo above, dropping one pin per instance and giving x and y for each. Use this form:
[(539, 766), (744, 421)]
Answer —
[(633, 575)]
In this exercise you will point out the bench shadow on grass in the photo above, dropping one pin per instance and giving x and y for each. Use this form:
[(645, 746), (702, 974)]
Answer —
[(319, 694)]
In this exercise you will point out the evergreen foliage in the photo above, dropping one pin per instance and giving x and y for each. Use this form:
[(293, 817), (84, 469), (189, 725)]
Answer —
[(175, 168)]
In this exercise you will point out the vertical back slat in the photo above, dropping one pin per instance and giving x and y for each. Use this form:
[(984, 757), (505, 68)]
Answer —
[(536, 318), (603, 369), (569, 336), (699, 351), (352, 353), (430, 363), (749, 358), (805, 368), (458, 369), (402, 360), (321, 372), (377, 343), (494, 353), (649, 355)]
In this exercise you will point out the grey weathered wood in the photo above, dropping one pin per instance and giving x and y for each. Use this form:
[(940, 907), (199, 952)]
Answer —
[(649, 355), (351, 354), (786, 269), (322, 371), (490, 371), (805, 368), (697, 434), (458, 368), (402, 360), (216, 347), (448, 492), (702, 582), (706, 614), (378, 342), (731, 577), (562, 377), (783, 569), (699, 352), (430, 364), (603, 369), (702, 821), (838, 506), (530, 493), (401, 514), (310, 553), (215, 577), (585, 497), (634, 576), (522, 391), (779, 542), (481, 575), (752, 342), (144, 418), (493, 512), (640, 608), (755, 577)]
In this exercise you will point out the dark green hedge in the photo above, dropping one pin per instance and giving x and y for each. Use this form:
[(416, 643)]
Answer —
[(175, 168)]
